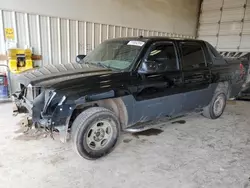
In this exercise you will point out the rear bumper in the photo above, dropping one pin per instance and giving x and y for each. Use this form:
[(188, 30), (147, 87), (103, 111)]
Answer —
[(244, 96), (245, 92)]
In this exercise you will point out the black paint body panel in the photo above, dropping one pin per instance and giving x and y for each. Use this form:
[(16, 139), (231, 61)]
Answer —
[(146, 96)]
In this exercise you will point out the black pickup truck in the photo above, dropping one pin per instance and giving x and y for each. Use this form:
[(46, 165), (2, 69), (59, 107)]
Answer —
[(123, 84)]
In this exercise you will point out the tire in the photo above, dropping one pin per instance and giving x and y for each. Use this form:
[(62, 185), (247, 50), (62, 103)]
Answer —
[(210, 112), (89, 132)]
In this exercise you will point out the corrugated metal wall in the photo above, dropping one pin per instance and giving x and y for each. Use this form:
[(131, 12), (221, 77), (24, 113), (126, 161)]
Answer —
[(226, 24), (59, 40)]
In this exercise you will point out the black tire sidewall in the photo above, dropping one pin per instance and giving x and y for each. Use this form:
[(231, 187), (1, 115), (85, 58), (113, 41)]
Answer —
[(80, 140), (213, 116)]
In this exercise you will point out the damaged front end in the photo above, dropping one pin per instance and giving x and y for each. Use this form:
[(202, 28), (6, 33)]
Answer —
[(45, 108)]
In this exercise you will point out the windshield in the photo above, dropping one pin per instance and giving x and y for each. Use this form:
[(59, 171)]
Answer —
[(117, 55)]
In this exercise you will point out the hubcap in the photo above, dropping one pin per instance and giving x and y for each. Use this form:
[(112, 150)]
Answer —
[(219, 105), (99, 135)]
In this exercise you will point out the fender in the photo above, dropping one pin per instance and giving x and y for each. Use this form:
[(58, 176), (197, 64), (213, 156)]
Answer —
[(100, 96), (62, 115)]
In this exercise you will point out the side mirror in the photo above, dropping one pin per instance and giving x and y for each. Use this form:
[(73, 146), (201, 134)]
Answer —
[(79, 58), (148, 67)]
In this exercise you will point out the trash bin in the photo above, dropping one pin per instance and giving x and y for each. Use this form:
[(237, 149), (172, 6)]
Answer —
[(4, 93)]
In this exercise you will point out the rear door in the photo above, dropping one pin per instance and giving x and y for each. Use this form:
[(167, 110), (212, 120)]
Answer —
[(196, 75)]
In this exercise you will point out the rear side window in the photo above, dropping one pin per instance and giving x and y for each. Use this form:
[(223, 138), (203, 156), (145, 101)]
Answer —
[(192, 56), (213, 51)]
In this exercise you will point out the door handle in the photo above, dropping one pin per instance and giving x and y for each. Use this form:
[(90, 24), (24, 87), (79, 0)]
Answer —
[(208, 76), (199, 77)]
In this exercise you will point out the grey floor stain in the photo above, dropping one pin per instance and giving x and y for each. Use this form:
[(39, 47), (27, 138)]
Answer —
[(179, 122), (127, 140), (21, 130), (148, 132), (144, 140), (56, 160), (32, 134)]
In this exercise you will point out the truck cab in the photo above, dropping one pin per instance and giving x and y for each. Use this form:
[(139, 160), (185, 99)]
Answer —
[(125, 83)]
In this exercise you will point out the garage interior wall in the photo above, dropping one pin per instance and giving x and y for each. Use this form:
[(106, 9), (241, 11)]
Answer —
[(172, 16), (226, 24), (61, 29)]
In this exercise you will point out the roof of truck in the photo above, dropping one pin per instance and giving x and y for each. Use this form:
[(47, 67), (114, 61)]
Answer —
[(154, 38)]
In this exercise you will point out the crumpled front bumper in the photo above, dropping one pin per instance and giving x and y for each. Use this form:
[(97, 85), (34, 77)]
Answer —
[(59, 121)]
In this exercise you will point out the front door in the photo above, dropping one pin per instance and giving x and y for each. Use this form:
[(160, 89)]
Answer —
[(159, 91), (196, 74)]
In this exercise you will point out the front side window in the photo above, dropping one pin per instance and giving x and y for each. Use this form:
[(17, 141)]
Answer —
[(116, 54), (192, 56), (164, 57)]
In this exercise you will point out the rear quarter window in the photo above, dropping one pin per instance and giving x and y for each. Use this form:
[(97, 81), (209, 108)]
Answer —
[(213, 52)]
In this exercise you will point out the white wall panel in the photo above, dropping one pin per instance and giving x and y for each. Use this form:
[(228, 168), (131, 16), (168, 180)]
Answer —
[(230, 28), (232, 14), (210, 16), (246, 28), (211, 5), (81, 27), (9, 20), (211, 39), (247, 13), (55, 40), (229, 42), (245, 43), (2, 45), (34, 30), (208, 29), (65, 52), (21, 30), (234, 3), (73, 39), (45, 40)]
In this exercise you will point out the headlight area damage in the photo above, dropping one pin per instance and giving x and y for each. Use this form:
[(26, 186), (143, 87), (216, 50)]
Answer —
[(45, 109), (45, 94)]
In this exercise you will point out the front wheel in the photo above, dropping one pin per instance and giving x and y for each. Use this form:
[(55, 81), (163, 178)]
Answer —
[(216, 107), (95, 132)]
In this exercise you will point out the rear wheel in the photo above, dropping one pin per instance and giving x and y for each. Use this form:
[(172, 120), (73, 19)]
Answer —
[(216, 107), (95, 132)]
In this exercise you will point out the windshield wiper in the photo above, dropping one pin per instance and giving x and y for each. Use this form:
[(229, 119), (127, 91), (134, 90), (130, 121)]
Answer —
[(95, 64), (100, 64)]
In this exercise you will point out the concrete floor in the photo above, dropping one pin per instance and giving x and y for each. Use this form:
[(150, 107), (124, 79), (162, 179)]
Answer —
[(197, 152)]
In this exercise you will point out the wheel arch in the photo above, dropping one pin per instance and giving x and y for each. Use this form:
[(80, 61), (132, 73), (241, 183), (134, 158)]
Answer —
[(224, 87), (116, 105)]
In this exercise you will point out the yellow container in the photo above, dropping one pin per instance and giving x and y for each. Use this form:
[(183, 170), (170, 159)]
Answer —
[(20, 60)]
